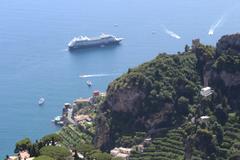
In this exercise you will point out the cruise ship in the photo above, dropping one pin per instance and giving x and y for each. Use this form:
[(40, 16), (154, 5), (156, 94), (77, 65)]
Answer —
[(84, 41)]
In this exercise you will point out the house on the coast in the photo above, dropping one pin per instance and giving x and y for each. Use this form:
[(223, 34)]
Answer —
[(121, 152), (206, 91)]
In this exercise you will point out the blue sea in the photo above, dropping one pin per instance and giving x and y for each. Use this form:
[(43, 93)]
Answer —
[(34, 61)]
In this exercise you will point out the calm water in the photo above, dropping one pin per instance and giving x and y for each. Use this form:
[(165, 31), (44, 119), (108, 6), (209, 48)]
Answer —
[(34, 61)]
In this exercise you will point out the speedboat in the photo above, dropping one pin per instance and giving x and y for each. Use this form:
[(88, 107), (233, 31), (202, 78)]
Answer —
[(89, 83), (58, 120), (41, 101)]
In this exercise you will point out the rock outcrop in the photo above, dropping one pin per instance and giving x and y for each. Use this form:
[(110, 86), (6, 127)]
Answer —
[(229, 43), (222, 70)]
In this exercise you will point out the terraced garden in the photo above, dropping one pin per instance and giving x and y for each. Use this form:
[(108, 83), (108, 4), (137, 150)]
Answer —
[(168, 147), (72, 135), (231, 140)]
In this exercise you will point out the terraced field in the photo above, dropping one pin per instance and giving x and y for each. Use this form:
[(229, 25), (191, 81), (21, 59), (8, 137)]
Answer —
[(231, 140), (169, 147), (72, 135)]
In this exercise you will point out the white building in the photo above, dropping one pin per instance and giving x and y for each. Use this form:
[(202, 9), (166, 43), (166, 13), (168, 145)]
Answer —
[(121, 152), (204, 118), (206, 91)]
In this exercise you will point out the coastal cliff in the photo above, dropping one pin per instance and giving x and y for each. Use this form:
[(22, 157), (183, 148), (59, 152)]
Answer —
[(164, 94), (149, 97)]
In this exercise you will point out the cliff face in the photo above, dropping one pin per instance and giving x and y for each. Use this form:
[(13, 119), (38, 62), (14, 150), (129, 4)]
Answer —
[(125, 100), (123, 112), (223, 70), (229, 43), (146, 98), (122, 101)]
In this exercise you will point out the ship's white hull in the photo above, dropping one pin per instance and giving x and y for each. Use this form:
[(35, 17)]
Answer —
[(85, 42), (93, 44)]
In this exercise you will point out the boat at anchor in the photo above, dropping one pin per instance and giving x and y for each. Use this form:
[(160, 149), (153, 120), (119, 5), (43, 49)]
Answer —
[(84, 41)]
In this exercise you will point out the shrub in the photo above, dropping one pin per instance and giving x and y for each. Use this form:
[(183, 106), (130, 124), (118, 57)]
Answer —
[(182, 106), (85, 148), (24, 144), (101, 156), (56, 152), (43, 158), (204, 141), (235, 156), (51, 139)]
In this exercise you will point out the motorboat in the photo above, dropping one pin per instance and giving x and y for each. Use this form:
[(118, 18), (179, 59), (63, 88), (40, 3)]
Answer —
[(41, 101), (89, 83)]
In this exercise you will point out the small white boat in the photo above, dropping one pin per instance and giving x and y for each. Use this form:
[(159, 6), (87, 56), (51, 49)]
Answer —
[(58, 120), (210, 33), (89, 83), (41, 101)]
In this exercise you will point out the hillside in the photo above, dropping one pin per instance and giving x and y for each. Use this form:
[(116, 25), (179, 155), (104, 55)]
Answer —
[(161, 99)]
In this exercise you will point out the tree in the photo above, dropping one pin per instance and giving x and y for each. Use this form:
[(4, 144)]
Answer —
[(24, 144), (56, 152), (51, 139), (34, 151), (221, 114), (218, 131), (101, 156), (43, 158), (117, 158), (204, 141), (186, 48), (84, 148), (182, 105)]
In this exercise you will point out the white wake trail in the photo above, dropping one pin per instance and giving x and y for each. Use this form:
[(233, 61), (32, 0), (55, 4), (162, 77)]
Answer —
[(215, 26), (172, 34), (97, 75)]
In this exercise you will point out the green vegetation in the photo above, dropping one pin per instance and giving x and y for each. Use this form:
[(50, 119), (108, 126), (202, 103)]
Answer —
[(51, 139), (169, 86), (44, 158), (72, 136), (91, 153), (170, 82), (33, 148), (56, 152), (101, 156), (167, 146), (24, 144), (130, 140)]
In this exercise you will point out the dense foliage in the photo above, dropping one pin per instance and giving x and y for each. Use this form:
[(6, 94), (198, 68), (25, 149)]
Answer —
[(24, 144), (58, 153), (170, 83), (44, 158), (169, 86), (33, 148)]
